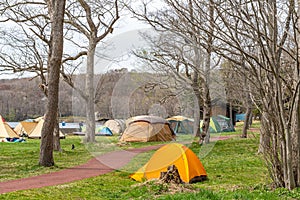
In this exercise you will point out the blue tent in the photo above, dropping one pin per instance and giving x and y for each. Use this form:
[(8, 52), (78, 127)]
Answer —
[(240, 117), (103, 130)]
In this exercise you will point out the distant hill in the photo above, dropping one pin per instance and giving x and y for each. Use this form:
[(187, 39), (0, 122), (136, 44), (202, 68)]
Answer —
[(118, 94), (22, 98)]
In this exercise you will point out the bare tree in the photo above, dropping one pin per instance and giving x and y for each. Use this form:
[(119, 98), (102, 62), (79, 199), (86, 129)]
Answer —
[(191, 51), (30, 40), (267, 39), (262, 38), (94, 20), (56, 11), (296, 135), (238, 91)]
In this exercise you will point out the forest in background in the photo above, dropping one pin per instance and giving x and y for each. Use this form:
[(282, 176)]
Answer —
[(119, 94)]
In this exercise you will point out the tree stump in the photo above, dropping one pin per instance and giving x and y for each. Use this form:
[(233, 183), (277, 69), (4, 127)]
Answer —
[(171, 175)]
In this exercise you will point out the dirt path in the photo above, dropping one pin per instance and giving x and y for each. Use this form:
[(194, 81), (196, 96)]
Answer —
[(99, 165)]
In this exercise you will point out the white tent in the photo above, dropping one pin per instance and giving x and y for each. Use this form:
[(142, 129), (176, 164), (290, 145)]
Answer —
[(117, 126)]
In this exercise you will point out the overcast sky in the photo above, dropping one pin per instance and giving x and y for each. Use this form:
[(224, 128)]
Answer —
[(124, 38)]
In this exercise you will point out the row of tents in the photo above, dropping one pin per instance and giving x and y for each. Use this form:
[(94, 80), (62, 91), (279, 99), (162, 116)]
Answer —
[(140, 128), (152, 128), (148, 128), (31, 128), (184, 125), (179, 124)]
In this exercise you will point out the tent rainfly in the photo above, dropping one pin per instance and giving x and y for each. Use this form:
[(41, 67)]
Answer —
[(189, 166)]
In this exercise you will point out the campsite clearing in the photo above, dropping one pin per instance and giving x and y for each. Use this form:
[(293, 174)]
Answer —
[(234, 170)]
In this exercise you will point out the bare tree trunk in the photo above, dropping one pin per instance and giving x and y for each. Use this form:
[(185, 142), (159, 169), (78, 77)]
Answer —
[(56, 138), (296, 145), (100, 18), (247, 121), (265, 138), (195, 80), (206, 112), (197, 107), (207, 69), (90, 103), (297, 120), (231, 115), (296, 139), (197, 114), (286, 141), (289, 179), (56, 9)]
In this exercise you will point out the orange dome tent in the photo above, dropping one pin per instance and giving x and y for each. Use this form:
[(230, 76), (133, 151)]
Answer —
[(189, 166)]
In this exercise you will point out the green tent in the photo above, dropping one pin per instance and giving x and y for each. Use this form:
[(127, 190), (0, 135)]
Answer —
[(214, 126), (225, 123), (181, 124)]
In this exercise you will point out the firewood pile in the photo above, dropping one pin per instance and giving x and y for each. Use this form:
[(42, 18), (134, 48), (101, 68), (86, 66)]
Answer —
[(170, 176)]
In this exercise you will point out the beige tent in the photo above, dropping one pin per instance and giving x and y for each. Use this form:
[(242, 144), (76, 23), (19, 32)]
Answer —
[(6, 131), (37, 131), (25, 127), (117, 126), (147, 129)]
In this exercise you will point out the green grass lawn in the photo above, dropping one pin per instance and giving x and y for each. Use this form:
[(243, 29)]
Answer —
[(18, 160), (234, 169)]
